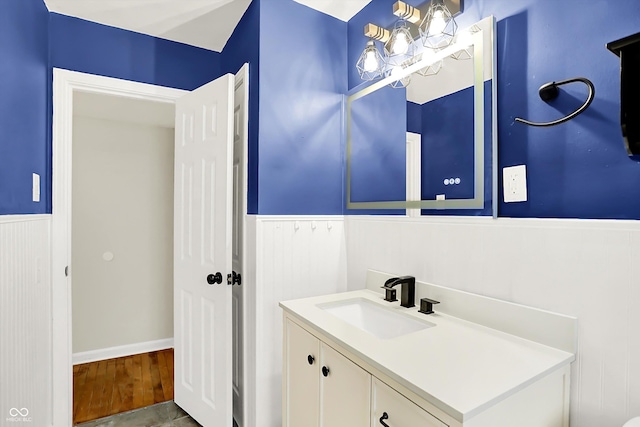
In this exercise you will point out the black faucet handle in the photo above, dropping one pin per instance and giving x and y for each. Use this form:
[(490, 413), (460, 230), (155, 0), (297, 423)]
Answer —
[(389, 294), (426, 305)]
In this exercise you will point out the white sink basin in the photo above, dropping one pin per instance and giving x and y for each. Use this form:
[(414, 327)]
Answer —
[(384, 323)]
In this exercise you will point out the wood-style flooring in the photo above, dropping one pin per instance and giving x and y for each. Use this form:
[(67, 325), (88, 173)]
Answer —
[(112, 386)]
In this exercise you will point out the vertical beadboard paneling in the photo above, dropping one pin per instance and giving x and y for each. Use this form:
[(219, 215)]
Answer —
[(296, 257), (25, 318), (587, 269)]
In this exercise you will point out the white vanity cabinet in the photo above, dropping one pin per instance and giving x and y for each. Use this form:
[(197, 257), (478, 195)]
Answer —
[(321, 386), (344, 392), (302, 373), (395, 410), (451, 373)]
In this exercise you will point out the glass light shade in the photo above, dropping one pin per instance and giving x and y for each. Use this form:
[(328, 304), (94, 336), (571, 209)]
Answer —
[(401, 42), (371, 64), (438, 28), (399, 52)]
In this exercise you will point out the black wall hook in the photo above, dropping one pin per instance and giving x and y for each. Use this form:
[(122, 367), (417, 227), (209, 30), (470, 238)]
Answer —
[(550, 91)]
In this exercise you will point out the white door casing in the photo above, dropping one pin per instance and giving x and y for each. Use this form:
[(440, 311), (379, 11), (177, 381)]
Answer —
[(65, 83), (414, 171), (203, 242)]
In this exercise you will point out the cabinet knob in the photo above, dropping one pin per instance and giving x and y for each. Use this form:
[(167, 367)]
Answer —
[(325, 371), (311, 359), (384, 416)]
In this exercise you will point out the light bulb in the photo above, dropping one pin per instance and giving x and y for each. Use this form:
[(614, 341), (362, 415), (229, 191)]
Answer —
[(437, 24), (371, 63), (400, 44)]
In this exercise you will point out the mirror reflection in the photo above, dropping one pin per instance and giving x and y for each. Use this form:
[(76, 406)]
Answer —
[(429, 145)]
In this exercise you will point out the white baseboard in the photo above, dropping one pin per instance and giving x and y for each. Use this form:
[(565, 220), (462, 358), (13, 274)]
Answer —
[(120, 351)]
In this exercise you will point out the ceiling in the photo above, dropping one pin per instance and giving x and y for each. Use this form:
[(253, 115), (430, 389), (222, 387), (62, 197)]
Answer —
[(203, 23)]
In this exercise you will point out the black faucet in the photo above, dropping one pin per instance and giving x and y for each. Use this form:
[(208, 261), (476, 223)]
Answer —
[(407, 292)]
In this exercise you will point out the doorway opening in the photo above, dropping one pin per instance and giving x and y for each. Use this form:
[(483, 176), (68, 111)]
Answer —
[(71, 89), (121, 254)]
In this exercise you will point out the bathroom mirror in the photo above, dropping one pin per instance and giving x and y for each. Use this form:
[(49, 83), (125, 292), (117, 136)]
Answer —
[(430, 146)]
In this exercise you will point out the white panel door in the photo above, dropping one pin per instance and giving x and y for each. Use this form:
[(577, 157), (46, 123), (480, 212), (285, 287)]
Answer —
[(202, 247), (239, 210)]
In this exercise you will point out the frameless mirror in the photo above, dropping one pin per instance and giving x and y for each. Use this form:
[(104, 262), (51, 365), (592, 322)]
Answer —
[(430, 146)]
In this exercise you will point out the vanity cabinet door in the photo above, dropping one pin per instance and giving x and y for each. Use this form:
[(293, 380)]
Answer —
[(345, 391), (400, 411), (301, 377)]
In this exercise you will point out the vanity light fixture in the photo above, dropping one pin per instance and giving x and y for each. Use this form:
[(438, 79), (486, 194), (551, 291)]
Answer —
[(438, 27), (400, 51), (432, 21), (371, 64)]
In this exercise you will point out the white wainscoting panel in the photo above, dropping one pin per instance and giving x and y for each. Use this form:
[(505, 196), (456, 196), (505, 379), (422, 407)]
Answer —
[(25, 320), (296, 257), (582, 268)]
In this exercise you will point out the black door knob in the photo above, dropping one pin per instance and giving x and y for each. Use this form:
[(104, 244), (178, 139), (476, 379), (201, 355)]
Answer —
[(325, 371), (310, 359), (234, 278), (214, 278)]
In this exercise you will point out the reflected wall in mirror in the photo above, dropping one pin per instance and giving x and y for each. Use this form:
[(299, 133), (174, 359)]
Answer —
[(430, 147)]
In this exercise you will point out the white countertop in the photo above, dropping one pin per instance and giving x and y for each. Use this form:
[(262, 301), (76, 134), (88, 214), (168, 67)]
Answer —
[(458, 366)]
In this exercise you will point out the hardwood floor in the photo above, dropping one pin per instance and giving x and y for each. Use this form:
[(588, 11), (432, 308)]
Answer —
[(109, 387)]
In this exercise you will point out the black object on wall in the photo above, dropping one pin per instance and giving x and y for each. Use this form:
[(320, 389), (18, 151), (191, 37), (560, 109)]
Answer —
[(628, 49), (549, 91)]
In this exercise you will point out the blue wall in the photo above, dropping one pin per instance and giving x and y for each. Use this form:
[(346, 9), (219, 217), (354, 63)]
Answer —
[(24, 122), (92, 48), (579, 169), (414, 117), (244, 47), (447, 146), (303, 62), (378, 148), (447, 150), (576, 170)]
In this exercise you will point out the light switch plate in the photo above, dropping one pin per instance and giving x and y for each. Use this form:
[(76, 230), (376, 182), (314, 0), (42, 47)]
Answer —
[(36, 187), (514, 180)]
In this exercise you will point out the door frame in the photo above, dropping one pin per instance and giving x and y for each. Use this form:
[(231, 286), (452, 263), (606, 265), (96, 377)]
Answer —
[(65, 82)]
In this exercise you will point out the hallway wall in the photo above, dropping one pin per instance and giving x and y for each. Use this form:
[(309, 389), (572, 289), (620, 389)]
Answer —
[(122, 206)]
